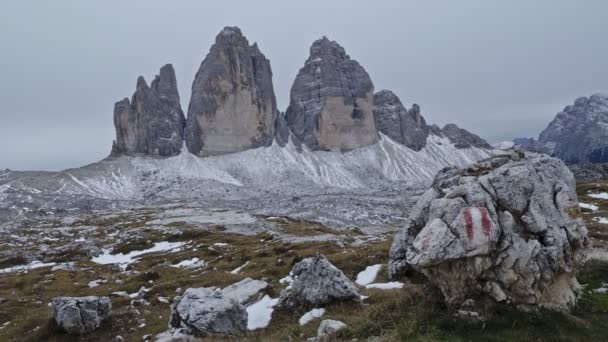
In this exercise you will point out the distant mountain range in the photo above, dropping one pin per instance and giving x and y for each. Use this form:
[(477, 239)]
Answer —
[(578, 134)]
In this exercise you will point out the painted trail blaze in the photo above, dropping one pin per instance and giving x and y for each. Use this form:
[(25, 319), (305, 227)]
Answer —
[(468, 223), (477, 219)]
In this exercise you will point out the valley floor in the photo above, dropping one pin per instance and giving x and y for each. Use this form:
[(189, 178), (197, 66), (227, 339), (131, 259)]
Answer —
[(144, 257)]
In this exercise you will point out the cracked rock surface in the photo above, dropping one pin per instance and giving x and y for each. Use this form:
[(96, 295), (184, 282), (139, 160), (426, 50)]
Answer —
[(508, 228)]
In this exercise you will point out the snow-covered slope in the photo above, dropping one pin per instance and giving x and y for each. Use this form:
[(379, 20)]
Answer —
[(247, 174)]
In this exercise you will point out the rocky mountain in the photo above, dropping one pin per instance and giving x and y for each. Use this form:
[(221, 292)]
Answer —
[(395, 121), (331, 106), (408, 127), (152, 123), (578, 134), (233, 106), (357, 142)]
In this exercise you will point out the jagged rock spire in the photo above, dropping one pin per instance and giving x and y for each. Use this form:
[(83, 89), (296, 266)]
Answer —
[(395, 121), (152, 123), (233, 106), (331, 101)]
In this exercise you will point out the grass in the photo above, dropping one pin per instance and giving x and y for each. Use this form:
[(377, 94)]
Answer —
[(414, 313)]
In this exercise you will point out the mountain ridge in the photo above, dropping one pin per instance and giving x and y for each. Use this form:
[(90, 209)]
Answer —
[(233, 107)]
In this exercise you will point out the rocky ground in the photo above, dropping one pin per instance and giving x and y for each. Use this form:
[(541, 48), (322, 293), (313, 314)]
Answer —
[(143, 258)]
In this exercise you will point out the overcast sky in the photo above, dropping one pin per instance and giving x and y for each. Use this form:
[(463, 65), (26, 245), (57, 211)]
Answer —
[(498, 68)]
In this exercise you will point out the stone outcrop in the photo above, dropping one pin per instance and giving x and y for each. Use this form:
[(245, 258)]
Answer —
[(508, 228), (406, 127), (462, 138), (152, 122), (233, 106), (317, 282), (578, 134), (207, 311), (331, 106), (81, 315)]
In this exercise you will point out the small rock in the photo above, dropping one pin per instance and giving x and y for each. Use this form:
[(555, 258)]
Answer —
[(327, 331), (330, 327), (81, 315), (204, 311), (317, 282)]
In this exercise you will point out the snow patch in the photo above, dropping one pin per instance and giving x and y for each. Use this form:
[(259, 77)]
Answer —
[(95, 283), (368, 275), (601, 220), (601, 195), (25, 268), (238, 269), (385, 286), (591, 207), (124, 260), (260, 313), (311, 315), (190, 263)]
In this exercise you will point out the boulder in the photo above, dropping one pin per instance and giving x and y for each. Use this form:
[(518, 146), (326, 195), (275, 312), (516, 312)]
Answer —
[(317, 282), (152, 122), (508, 228), (207, 311), (330, 327), (233, 106), (80, 315), (406, 127), (331, 105), (327, 331)]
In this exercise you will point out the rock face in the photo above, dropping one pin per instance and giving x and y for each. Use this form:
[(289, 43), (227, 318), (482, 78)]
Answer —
[(152, 123), (233, 106), (578, 134), (81, 315), (331, 105), (506, 228), (392, 119), (206, 311), (317, 282), (462, 138)]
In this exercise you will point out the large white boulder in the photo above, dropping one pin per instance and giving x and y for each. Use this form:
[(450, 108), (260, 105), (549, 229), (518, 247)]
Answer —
[(508, 227)]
